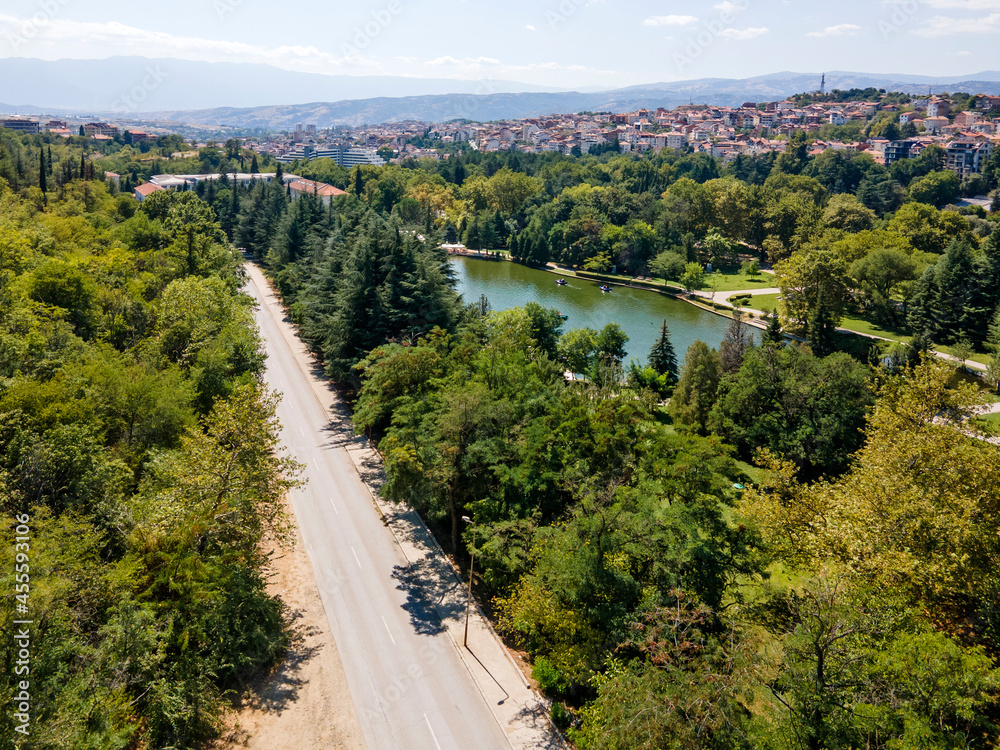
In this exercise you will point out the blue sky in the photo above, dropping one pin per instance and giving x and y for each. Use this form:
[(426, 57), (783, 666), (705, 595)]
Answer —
[(557, 43)]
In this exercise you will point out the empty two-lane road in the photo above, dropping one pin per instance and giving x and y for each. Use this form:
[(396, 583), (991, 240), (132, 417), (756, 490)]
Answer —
[(409, 686)]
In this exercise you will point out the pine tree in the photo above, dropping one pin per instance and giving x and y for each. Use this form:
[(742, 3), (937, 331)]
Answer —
[(773, 335), (662, 356)]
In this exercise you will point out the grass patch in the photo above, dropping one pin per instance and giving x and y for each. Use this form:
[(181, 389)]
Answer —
[(763, 302), (737, 282), (867, 327), (983, 359)]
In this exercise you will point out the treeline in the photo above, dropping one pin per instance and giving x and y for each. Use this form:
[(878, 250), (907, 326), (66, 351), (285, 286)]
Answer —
[(846, 601), (845, 235), (136, 436)]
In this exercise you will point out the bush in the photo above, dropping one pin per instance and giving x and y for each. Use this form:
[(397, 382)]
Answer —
[(550, 679)]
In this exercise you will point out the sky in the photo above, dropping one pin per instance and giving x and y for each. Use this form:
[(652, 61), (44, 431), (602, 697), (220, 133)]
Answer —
[(568, 44)]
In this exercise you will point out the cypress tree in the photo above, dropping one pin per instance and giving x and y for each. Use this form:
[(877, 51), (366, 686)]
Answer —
[(821, 328), (83, 167), (662, 356), (254, 166), (42, 180)]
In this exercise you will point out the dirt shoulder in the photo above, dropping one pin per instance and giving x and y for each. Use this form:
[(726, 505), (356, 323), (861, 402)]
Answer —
[(304, 702)]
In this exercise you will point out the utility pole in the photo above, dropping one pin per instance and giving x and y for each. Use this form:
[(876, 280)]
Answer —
[(468, 599)]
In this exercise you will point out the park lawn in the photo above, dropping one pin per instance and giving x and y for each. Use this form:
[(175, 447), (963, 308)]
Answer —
[(983, 359), (763, 302), (737, 282), (864, 326)]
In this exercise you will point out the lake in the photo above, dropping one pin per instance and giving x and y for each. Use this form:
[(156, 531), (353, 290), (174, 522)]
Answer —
[(640, 313)]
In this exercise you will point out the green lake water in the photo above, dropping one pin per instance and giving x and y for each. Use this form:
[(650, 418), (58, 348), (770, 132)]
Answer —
[(637, 311)]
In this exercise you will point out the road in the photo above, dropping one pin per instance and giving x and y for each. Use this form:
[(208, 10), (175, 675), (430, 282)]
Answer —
[(409, 686)]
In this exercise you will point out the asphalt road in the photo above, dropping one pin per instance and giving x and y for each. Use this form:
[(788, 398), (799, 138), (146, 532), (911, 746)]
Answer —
[(409, 687)]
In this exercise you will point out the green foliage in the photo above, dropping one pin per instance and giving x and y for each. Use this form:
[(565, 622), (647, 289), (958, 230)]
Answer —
[(807, 409), (118, 328)]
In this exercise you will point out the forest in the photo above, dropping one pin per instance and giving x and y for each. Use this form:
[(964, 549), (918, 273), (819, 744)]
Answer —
[(778, 543), (138, 441)]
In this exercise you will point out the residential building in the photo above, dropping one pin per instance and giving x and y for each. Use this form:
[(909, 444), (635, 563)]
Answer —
[(22, 124), (326, 193), (966, 156), (144, 191)]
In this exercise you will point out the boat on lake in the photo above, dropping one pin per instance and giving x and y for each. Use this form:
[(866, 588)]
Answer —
[(605, 288), (561, 282)]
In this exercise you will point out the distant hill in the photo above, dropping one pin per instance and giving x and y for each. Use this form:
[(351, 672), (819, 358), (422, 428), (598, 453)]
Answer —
[(714, 91), (247, 95), (100, 85)]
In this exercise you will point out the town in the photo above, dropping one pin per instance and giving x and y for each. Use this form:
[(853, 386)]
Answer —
[(895, 131)]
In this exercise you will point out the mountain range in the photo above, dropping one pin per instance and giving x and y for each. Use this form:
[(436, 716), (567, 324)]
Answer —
[(260, 96)]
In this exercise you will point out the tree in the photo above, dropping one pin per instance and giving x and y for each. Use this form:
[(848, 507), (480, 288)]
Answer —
[(694, 276), (750, 268), (670, 265), (577, 348), (880, 274), (846, 212), (694, 395), (812, 274), (662, 357), (773, 335), (254, 165), (807, 409), (735, 345)]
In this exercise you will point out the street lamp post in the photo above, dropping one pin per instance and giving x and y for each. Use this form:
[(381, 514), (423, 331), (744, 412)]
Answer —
[(468, 599)]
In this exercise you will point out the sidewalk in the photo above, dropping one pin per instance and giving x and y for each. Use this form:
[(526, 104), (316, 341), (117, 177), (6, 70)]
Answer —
[(522, 715)]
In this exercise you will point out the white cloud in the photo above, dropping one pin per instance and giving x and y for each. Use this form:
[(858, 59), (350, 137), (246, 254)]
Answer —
[(670, 21), (743, 34), (730, 8), (529, 27), (947, 26), (102, 39), (843, 29), (963, 53), (99, 40)]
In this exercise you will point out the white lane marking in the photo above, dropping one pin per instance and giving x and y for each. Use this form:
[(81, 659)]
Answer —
[(388, 631), (356, 557), (433, 736), (301, 431), (316, 464), (334, 506)]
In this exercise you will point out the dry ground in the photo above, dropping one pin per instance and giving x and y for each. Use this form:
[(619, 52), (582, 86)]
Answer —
[(304, 702)]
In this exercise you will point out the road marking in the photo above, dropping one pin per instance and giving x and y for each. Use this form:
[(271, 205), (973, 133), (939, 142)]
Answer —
[(316, 464), (334, 506), (301, 431), (356, 557), (433, 736), (388, 631)]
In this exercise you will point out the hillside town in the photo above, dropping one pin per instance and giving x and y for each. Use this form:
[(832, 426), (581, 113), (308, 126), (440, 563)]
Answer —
[(969, 136)]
